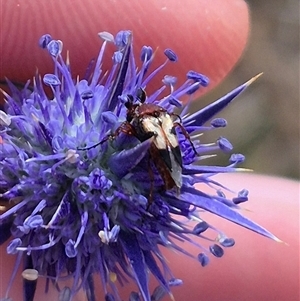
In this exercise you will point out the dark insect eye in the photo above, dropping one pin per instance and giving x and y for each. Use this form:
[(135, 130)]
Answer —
[(129, 118), (156, 114), (141, 95), (129, 102)]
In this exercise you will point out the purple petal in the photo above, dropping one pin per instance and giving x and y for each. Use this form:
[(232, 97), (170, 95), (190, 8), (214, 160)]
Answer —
[(46, 134), (153, 267), (136, 261), (117, 88), (198, 198), (175, 102), (193, 88), (202, 116), (121, 163), (109, 118), (221, 194)]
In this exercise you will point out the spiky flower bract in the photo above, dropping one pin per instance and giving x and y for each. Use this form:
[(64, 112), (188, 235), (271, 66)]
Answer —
[(79, 187)]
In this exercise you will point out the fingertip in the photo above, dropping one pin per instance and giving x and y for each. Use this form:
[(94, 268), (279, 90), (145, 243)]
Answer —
[(208, 36)]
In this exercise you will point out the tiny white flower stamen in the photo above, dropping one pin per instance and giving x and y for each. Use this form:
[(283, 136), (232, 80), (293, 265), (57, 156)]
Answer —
[(71, 156), (30, 274), (106, 36), (4, 119)]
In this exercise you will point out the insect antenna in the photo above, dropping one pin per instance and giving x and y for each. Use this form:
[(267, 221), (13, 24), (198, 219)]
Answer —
[(176, 115), (186, 135), (95, 145)]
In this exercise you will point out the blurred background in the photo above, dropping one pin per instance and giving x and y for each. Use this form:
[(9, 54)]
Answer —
[(263, 123)]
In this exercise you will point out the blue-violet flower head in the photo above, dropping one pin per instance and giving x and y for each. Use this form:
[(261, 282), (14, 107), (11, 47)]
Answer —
[(99, 173)]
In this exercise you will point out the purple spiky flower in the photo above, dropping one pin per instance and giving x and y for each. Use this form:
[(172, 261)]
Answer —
[(81, 207)]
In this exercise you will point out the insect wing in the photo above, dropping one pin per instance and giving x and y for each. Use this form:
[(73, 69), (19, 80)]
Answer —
[(152, 125), (166, 143), (168, 128), (176, 172)]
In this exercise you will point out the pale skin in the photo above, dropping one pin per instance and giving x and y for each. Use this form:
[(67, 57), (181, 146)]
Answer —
[(256, 268)]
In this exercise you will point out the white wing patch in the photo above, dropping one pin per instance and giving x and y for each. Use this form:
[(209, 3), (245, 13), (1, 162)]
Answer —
[(161, 127), (167, 126), (164, 140), (153, 124)]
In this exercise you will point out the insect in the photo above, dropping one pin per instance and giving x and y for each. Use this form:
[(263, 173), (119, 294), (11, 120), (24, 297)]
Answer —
[(146, 120)]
